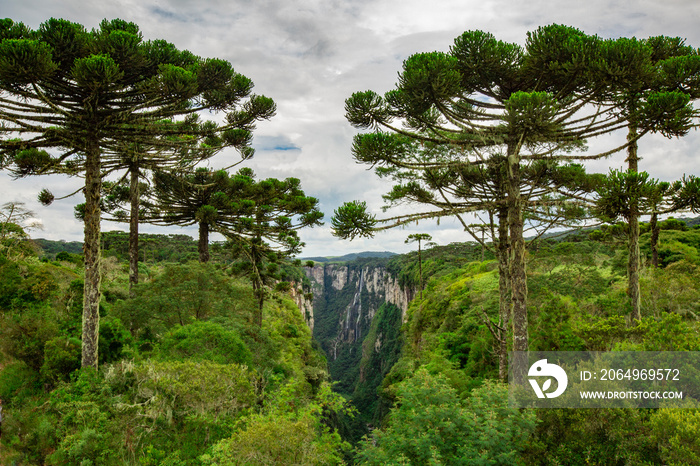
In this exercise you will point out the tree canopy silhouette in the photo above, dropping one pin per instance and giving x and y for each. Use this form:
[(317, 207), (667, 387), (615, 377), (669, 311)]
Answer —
[(71, 96), (490, 102)]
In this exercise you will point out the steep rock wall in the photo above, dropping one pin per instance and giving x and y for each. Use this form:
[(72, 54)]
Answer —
[(375, 280), (305, 305), (345, 300)]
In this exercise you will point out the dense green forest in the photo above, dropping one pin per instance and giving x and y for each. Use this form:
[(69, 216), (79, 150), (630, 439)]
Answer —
[(152, 247), (446, 404), (186, 377)]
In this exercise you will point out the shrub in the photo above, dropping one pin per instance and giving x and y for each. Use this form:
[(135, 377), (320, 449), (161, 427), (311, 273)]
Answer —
[(677, 432), (114, 337), (432, 425), (23, 335), (66, 256), (183, 294), (204, 341), (61, 358)]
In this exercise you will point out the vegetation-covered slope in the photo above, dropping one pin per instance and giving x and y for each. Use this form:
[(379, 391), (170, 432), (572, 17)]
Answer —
[(445, 378), (185, 377)]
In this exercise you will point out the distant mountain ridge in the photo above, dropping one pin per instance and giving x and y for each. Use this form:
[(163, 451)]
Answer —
[(351, 256), (184, 242), (52, 247)]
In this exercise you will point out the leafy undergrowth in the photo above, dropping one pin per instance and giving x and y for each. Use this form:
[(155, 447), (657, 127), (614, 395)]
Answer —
[(444, 380), (185, 376)]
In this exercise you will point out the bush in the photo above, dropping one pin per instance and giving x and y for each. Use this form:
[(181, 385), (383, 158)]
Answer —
[(553, 329), (290, 431), (677, 432), (204, 341), (204, 389), (581, 437), (275, 439), (61, 357), (114, 337), (23, 286), (65, 256), (17, 382), (183, 294), (24, 335), (432, 425)]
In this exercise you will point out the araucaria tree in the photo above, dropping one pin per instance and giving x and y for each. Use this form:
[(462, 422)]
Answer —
[(122, 199), (80, 94), (661, 74), (419, 237), (628, 195), (490, 102), (206, 198), (263, 226)]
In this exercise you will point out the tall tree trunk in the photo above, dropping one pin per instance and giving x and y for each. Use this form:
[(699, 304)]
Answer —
[(258, 290), (654, 226), (518, 271), (203, 245), (483, 248), (633, 266), (420, 269), (91, 249), (134, 197), (259, 293), (504, 302), (633, 290), (517, 256)]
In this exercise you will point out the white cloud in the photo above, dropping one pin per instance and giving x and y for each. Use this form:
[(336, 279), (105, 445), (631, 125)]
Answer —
[(309, 56)]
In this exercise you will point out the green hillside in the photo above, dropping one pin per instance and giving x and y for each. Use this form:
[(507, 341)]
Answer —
[(445, 379), (185, 377)]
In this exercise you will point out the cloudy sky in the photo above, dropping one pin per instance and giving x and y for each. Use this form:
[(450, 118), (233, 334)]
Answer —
[(309, 56)]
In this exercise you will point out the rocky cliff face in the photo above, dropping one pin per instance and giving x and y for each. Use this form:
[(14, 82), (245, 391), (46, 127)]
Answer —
[(304, 304), (346, 299), (374, 282)]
